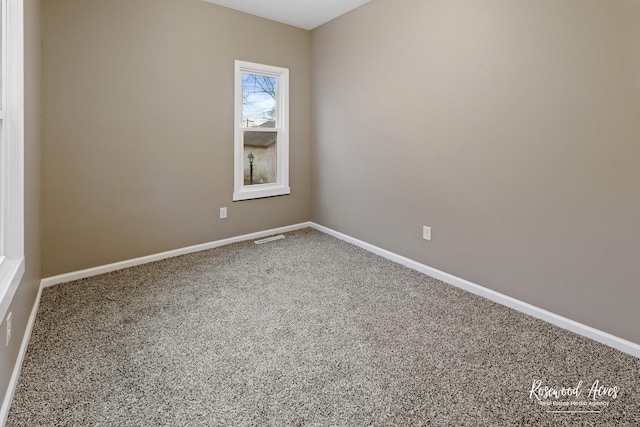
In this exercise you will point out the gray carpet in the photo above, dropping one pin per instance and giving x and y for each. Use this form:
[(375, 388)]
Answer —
[(303, 331)]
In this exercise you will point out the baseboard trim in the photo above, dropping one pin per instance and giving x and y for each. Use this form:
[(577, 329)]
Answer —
[(13, 382), (521, 306), (95, 271)]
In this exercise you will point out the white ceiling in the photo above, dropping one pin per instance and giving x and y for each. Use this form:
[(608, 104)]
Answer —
[(306, 14)]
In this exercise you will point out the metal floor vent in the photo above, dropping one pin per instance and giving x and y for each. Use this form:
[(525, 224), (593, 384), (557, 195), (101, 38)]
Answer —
[(269, 239)]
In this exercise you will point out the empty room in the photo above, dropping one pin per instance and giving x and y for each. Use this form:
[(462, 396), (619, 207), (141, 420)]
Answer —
[(320, 213)]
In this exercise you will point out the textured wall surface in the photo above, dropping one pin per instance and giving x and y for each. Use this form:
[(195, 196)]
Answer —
[(138, 127), (511, 128)]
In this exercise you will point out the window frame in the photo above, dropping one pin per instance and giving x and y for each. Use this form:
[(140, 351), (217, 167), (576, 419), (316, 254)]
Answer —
[(12, 153), (281, 186)]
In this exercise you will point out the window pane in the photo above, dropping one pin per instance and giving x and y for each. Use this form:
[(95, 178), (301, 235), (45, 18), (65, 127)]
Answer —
[(260, 157), (258, 101)]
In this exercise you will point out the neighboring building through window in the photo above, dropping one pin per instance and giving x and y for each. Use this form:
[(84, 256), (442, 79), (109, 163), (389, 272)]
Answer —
[(261, 141)]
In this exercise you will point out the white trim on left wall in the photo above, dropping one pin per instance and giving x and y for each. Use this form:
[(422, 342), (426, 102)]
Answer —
[(13, 382), (12, 152)]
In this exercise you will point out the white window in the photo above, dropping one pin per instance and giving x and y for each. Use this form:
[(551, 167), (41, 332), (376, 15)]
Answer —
[(11, 152), (3, 49), (261, 159)]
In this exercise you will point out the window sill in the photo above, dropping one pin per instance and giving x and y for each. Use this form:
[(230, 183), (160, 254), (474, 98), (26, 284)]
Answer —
[(11, 272), (260, 191)]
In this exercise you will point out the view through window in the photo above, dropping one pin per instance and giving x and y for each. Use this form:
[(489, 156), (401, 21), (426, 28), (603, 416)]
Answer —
[(259, 113)]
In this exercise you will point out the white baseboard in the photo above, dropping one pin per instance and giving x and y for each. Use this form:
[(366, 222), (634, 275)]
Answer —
[(523, 307), (562, 322), (95, 271), (13, 382)]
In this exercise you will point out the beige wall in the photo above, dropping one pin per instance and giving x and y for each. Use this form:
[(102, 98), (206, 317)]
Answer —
[(25, 295), (138, 127), (512, 128)]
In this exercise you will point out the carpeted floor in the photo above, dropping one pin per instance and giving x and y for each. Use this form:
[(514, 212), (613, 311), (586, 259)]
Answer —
[(304, 331)]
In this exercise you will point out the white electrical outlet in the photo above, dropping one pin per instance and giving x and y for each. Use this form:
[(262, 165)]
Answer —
[(8, 329), (223, 213), (426, 233)]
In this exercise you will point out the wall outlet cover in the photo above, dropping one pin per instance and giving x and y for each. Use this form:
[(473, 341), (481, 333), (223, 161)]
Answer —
[(426, 233), (8, 329)]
